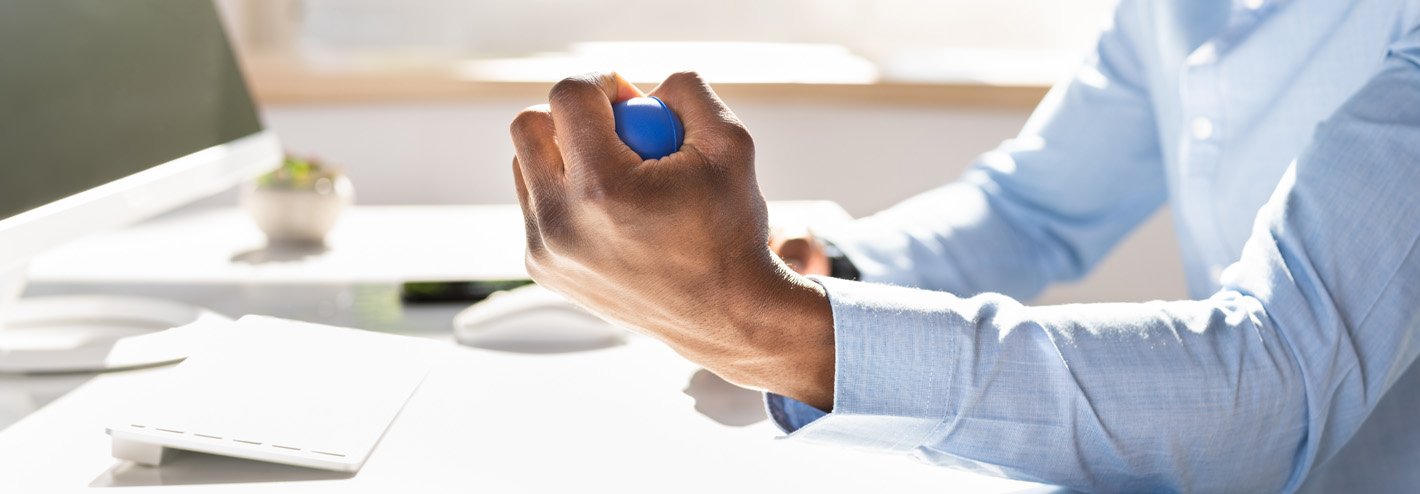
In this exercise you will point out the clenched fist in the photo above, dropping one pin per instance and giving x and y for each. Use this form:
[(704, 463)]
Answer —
[(676, 248)]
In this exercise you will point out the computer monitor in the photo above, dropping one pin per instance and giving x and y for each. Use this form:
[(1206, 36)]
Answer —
[(112, 111)]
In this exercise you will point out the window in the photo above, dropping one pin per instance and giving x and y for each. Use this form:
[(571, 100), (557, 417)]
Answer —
[(811, 40)]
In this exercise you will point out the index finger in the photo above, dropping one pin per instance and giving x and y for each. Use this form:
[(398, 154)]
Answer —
[(582, 117)]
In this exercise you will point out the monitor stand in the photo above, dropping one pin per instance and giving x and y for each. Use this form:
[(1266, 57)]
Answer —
[(84, 333)]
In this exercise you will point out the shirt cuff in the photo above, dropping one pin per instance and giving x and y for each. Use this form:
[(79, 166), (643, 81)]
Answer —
[(892, 377), (789, 414)]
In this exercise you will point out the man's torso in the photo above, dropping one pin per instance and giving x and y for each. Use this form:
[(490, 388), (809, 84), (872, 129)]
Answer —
[(1237, 95)]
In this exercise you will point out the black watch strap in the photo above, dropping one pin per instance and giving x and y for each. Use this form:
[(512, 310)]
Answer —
[(838, 264)]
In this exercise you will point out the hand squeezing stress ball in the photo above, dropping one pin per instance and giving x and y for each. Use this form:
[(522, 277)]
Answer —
[(668, 240)]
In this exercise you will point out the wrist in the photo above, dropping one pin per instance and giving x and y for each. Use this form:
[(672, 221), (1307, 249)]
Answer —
[(769, 329), (790, 342)]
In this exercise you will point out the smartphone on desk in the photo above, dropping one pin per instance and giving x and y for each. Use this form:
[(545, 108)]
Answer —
[(416, 292)]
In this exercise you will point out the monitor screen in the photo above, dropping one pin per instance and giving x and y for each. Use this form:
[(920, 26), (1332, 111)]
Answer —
[(95, 90)]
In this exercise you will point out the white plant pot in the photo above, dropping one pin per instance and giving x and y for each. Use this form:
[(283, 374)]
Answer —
[(302, 216)]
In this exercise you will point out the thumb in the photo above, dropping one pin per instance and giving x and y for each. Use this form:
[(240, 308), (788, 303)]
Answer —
[(625, 90)]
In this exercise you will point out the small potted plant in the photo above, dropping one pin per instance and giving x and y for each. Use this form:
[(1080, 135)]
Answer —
[(299, 202)]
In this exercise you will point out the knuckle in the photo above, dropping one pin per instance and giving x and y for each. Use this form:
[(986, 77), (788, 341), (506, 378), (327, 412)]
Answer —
[(685, 85), (572, 88), (686, 78), (736, 135), (530, 119), (731, 140)]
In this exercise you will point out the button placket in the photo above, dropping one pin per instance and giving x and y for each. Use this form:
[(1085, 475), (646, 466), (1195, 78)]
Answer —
[(1200, 149)]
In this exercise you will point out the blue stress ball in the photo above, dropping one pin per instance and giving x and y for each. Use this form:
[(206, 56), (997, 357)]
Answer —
[(648, 127)]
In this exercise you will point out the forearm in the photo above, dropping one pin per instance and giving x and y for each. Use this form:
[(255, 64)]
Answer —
[(962, 238), (1107, 396)]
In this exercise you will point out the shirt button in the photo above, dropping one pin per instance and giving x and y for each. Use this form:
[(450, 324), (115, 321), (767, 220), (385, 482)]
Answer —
[(1202, 128)]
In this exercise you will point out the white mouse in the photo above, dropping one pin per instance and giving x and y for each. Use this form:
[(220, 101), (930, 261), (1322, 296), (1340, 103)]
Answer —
[(533, 319)]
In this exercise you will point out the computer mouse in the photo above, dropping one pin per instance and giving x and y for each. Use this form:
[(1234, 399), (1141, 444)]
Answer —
[(533, 319)]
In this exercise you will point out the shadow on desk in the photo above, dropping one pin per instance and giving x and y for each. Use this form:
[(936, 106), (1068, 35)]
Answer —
[(280, 253), (724, 402), (192, 468)]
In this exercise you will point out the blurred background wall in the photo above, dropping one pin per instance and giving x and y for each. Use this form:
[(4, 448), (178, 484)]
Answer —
[(857, 101)]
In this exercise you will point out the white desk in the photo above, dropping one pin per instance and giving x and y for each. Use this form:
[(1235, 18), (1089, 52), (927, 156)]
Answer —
[(615, 419), (379, 244)]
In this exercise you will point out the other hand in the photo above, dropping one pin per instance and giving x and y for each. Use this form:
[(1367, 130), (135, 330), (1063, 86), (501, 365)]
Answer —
[(801, 251)]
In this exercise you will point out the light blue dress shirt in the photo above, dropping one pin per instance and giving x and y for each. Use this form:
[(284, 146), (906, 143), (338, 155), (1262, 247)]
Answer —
[(1286, 137)]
